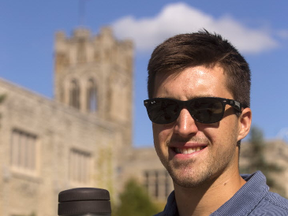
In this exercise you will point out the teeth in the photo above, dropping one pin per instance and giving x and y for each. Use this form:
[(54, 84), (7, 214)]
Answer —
[(187, 150)]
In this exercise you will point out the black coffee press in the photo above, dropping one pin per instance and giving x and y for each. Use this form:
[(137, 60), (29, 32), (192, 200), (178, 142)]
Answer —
[(84, 202)]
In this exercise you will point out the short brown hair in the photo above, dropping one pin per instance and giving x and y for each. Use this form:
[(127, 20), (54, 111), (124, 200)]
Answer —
[(202, 49)]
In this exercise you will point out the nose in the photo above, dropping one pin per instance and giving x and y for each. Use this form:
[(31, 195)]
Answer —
[(185, 125)]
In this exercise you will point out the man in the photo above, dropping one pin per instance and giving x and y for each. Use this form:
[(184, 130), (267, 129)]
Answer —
[(199, 98)]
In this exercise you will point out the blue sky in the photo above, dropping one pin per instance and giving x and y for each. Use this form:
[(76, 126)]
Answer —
[(259, 29)]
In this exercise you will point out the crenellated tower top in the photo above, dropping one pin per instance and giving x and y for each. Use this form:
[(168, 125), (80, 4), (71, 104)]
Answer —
[(94, 74)]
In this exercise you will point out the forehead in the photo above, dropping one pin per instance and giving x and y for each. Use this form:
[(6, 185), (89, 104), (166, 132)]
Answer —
[(192, 81)]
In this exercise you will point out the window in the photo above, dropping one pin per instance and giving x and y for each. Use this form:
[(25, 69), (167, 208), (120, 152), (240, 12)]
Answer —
[(74, 94), (91, 96), (79, 167), (167, 184), (81, 51), (23, 151), (157, 183)]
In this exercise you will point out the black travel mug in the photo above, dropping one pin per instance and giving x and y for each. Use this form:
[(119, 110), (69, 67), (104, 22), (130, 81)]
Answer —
[(84, 202)]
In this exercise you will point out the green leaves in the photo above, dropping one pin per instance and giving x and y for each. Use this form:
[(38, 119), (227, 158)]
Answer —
[(256, 156), (135, 201)]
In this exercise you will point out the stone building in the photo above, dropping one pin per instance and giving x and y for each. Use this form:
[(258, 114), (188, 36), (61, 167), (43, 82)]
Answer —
[(82, 137), (78, 138)]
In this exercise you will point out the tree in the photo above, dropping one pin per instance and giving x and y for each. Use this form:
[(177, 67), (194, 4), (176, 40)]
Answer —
[(258, 161), (2, 98), (135, 201)]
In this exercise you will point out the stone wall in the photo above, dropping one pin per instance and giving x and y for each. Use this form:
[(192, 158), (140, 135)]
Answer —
[(58, 131)]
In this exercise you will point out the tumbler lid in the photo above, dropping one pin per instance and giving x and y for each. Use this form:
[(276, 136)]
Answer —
[(81, 194), (84, 200)]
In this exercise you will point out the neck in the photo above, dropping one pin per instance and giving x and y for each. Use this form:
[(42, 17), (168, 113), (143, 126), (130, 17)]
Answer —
[(207, 198)]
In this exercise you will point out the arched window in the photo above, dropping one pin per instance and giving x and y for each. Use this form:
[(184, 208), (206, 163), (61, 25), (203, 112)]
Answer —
[(92, 104), (81, 52), (74, 94)]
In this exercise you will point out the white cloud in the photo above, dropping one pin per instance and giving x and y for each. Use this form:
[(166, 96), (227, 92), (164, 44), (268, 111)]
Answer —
[(181, 18)]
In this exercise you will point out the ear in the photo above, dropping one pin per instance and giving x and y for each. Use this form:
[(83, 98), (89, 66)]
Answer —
[(244, 122)]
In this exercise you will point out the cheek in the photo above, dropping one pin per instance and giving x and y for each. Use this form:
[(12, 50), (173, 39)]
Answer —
[(156, 133), (225, 132), (161, 135), (228, 133)]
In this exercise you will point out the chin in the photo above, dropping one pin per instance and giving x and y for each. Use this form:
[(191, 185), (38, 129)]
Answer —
[(191, 179)]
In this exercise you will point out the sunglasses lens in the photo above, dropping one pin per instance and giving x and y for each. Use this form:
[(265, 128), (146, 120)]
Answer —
[(163, 111), (206, 110), (203, 110)]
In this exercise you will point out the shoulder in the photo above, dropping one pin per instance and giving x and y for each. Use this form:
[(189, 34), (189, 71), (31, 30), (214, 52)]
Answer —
[(274, 204), (170, 208)]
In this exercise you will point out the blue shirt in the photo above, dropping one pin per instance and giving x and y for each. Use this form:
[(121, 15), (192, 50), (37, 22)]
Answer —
[(253, 198)]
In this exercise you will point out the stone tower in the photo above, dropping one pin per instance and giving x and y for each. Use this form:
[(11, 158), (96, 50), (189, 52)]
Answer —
[(94, 74)]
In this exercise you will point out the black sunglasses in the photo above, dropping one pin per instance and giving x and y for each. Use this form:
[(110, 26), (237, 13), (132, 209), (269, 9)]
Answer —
[(205, 110)]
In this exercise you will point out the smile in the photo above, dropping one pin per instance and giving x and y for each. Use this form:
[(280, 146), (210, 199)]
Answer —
[(188, 150)]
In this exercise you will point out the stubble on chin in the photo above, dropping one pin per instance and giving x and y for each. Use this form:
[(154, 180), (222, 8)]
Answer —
[(185, 176)]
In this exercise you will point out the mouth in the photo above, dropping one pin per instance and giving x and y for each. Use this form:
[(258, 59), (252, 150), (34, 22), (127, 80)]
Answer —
[(187, 150)]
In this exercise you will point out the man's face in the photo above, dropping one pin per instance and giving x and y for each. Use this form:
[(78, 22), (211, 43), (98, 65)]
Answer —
[(195, 153)]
